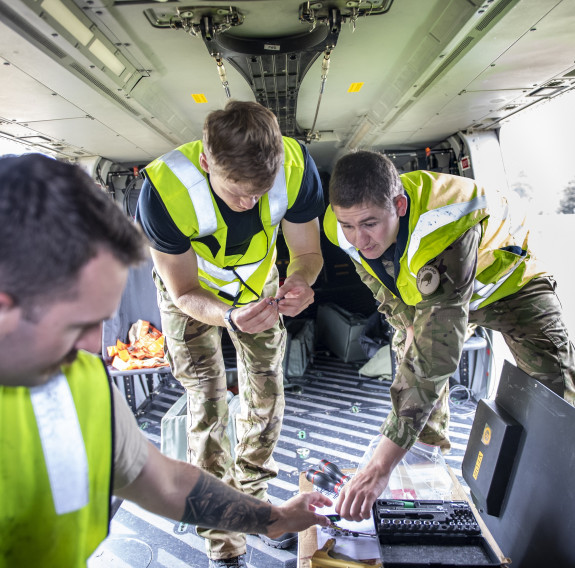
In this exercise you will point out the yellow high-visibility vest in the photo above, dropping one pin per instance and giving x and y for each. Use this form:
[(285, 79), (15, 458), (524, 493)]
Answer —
[(442, 208), (184, 190), (56, 456)]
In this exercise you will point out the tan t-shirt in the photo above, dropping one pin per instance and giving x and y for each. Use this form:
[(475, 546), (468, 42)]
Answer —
[(130, 444)]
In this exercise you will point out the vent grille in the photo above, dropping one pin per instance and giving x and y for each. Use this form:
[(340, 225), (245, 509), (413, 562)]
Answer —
[(492, 14)]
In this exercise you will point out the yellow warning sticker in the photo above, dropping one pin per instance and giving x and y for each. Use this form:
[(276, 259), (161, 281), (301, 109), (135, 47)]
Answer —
[(355, 88), (200, 98), (477, 465)]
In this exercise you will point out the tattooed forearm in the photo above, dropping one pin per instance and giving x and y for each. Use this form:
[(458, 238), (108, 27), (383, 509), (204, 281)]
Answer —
[(212, 504)]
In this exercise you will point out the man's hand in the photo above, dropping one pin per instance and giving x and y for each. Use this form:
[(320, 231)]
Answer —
[(257, 316), (298, 514), (358, 495), (294, 296)]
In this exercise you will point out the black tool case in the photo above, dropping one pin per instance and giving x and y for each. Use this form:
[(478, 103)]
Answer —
[(430, 533)]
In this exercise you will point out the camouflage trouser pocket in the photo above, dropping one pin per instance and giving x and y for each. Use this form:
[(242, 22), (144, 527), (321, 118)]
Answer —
[(165, 302), (174, 328), (174, 325), (556, 332)]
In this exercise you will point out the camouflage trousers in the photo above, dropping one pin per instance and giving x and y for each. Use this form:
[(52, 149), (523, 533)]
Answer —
[(531, 322), (195, 356)]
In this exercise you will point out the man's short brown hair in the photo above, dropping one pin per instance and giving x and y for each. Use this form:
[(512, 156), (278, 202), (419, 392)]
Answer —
[(364, 178), (243, 142)]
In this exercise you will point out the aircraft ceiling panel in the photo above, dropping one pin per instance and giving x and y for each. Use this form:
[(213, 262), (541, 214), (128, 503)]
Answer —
[(96, 139), (478, 88), (29, 100), (547, 45), (358, 57), (421, 127), (426, 69), (44, 92)]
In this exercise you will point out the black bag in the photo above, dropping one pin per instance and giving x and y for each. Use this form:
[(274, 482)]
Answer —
[(376, 333)]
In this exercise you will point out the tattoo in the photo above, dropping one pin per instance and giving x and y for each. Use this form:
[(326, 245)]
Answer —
[(212, 504)]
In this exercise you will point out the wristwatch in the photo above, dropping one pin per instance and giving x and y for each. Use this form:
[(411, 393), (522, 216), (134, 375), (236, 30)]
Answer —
[(229, 321)]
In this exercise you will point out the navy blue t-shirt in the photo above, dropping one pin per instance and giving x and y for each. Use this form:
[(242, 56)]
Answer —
[(165, 236)]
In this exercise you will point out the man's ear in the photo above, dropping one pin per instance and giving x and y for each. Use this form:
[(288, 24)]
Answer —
[(10, 314), (204, 163), (400, 205)]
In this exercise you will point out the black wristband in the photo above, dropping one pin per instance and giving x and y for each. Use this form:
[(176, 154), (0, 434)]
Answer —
[(229, 321)]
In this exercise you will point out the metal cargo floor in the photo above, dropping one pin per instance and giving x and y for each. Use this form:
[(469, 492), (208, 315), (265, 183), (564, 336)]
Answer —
[(336, 415)]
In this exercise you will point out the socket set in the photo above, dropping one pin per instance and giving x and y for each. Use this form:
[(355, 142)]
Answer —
[(405, 520), (430, 533)]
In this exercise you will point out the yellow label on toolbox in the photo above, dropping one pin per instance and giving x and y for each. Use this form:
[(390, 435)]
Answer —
[(486, 438), (477, 465)]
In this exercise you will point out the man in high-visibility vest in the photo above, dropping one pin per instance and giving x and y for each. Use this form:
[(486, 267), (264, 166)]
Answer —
[(67, 437), (439, 252), (212, 210)]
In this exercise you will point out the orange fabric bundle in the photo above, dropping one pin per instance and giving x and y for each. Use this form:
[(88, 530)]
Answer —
[(145, 350)]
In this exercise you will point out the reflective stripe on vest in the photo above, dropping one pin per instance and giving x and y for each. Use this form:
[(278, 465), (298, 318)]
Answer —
[(486, 290), (196, 184), (497, 218), (436, 218), (278, 198), (62, 443), (229, 289)]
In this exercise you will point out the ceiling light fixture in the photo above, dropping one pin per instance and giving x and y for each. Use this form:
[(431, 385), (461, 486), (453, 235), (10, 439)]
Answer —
[(68, 20), (107, 57), (361, 132)]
